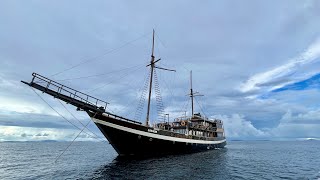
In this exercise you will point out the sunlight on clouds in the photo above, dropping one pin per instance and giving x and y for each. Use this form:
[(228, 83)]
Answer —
[(308, 56)]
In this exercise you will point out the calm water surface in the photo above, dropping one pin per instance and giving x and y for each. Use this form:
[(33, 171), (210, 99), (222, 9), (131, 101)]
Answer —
[(97, 160)]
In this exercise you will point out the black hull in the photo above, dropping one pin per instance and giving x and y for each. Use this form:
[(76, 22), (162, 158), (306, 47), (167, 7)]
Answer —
[(127, 143)]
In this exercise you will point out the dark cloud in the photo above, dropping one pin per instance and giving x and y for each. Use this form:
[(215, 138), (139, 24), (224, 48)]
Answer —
[(33, 120)]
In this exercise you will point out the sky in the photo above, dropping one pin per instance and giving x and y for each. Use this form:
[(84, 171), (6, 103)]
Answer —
[(256, 63)]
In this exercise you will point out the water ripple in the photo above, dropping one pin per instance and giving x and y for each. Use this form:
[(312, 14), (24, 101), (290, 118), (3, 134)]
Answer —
[(93, 160)]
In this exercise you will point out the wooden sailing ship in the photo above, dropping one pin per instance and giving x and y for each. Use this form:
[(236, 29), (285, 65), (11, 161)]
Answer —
[(129, 137)]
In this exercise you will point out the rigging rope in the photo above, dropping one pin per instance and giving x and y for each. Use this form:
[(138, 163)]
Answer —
[(159, 103), (160, 40), (140, 87), (129, 72), (72, 141), (200, 107), (103, 54), (185, 106), (102, 74), (140, 105), (80, 121), (169, 89), (60, 114), (82, 130)]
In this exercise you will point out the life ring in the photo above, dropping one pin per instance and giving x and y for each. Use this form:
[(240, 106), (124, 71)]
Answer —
[(183, 123)]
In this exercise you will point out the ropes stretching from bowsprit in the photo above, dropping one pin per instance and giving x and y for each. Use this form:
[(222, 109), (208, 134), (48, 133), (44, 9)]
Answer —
[(61, 114), (73, 141), (103, 54), (80, 121), (82, 130)]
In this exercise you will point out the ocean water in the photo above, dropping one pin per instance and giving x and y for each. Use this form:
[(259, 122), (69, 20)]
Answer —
[(97, 160)]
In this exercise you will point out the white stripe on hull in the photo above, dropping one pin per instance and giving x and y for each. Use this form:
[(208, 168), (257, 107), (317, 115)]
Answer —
[(157, 136)]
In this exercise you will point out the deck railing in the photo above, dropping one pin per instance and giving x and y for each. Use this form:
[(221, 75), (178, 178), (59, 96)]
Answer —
[(67, 91)]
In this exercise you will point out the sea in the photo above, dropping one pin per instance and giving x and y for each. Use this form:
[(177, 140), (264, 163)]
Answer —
[(98, 160)]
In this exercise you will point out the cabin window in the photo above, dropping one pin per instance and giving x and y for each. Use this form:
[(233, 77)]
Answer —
[(181, 131)]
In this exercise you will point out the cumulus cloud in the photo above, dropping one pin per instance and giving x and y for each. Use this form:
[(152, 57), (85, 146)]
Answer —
[(237, 127), (311, 117), (298, 126)]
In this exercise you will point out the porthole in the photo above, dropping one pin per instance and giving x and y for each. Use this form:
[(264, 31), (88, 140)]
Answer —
[(150, 139)]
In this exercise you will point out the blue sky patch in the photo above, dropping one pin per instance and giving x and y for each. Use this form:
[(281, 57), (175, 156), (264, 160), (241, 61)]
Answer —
[(311, 83)]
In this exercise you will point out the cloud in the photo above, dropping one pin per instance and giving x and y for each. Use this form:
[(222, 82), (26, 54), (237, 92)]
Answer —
[(302, 125), (309, 118), (15, 133), (277, 74), (237, 127), (298, 126)]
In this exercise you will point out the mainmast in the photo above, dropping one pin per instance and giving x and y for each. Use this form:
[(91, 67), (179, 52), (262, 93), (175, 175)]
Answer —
[(150, 85), (152, 66)]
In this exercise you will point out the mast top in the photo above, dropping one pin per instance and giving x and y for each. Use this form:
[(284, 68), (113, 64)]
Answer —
[(152, 53)]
